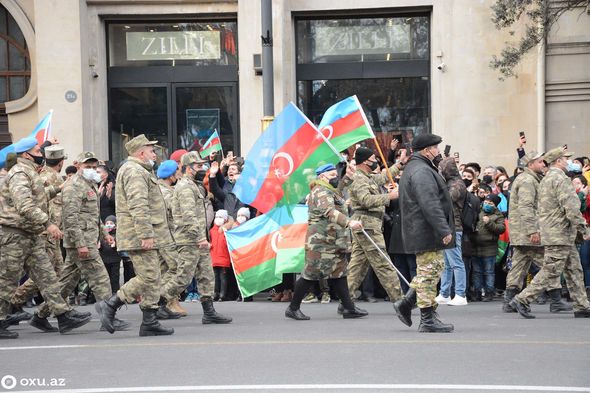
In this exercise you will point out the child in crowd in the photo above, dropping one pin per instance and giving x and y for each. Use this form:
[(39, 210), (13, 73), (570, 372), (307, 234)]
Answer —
[(110, 256), (220, 254), (242, 216)]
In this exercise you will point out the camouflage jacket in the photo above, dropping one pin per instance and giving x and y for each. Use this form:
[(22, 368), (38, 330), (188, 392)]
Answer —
[(327, 230), (141, 211), (559, 210), (190, 213), (81, 214), (524, 218), (168, 194), (24, 201), (52, 180), (367, 199)]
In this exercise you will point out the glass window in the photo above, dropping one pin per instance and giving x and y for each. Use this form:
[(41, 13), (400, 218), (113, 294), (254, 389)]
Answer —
[(397, 105), (15, 66), (173, 44), (362, 39)]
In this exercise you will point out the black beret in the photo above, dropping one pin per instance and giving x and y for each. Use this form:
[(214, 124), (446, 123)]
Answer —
[(423, 141), (362, 154)]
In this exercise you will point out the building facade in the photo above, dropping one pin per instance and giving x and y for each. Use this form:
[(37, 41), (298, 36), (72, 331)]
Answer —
[(177, 70)]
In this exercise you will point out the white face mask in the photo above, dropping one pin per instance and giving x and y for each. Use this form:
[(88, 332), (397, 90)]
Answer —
[(91, 175), (219, 221), (241, 219), (152, 163)]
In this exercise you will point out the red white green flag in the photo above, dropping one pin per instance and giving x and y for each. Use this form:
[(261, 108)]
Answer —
[(212, 145)]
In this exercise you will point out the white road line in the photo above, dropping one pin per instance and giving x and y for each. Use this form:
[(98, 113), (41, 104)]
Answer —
[(356, 387)]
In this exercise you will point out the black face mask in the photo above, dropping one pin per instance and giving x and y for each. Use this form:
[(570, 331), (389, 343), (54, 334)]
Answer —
[(487, 179), (436, 160), (39, 160), (334, 182), (200, 175), (373, 165), (467, 182)]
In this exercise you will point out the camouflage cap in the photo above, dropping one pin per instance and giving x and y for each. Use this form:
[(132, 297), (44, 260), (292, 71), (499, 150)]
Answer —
[(137, 143), (86, 156), (55, 152), (191, 157), (530, 156), (555, 154)]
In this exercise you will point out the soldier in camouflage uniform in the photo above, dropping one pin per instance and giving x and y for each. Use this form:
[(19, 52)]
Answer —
[(142, 230), (23, 217), (524, 225), (560, 222), (327, 244), (191, 234), (368, 205)]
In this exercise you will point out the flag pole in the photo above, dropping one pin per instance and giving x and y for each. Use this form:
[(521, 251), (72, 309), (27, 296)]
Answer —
[(220, 145)]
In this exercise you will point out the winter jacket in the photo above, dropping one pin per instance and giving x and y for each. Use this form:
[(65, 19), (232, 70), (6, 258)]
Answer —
[(485, 238), (457, 189), (109, 254), (426, 207), (227, 200), (219, 251)]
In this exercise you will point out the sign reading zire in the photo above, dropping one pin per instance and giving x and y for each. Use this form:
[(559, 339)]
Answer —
[(173, 45)]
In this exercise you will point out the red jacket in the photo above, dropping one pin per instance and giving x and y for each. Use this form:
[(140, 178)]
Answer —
[(219, 251)]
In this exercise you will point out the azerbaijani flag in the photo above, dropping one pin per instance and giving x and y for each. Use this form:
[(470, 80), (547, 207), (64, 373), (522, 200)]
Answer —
[(43, 130), (213, 144), (264, 248), (345, 124), (4, 153), (282, 162)]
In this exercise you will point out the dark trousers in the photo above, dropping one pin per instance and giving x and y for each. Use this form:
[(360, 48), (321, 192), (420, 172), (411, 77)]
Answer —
[(406, 264), (220, 282), (113, 269), (128, 272)]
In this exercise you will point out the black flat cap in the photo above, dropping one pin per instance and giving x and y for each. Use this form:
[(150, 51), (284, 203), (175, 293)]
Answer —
[(423, 141)]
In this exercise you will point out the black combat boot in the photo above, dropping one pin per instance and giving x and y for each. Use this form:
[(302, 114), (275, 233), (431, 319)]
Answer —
[(210, 315), (107, 309), (118, 324), (403, 308), (429, 322), (42, 324), (18, 315), (508, 296), (523, 309), (556, 303), (296, 314), (223, 284), (70, 320), (4, 332), (542, 298), (582, 313), (164, 312), (151, 327)]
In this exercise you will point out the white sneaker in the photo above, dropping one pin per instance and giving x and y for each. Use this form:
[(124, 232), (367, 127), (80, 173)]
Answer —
[(440, 299), (458, 301)]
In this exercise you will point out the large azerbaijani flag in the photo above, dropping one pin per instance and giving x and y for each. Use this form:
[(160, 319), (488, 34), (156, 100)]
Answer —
[(213, 144), (43, 130), (282, 162), (264, 248)]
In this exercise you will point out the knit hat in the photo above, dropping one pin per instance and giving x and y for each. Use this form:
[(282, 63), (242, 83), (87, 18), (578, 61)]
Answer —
[(111, 218), (362, 154), (221, 214), (495, 199), (243, 211)]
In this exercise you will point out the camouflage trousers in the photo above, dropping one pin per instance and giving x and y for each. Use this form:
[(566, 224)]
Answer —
[(559, 259), (170, 275), (193, 262), (29, 288), (363, 255), (522, 259), (146, 282), (320, 265), (20, 251), (429, 267), (93, 270)]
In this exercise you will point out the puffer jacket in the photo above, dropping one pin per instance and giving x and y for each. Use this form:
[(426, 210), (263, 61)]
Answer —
[(486, 236)]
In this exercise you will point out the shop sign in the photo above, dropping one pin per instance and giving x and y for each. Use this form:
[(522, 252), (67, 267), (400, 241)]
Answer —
[(358, 40), (173, 45)]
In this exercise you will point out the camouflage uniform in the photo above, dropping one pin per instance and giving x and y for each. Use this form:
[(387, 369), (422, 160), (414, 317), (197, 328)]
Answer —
[(429, 266), (82, 228), (189, 207), (23, 217), (52, 179), (560, 221), (328, 239), (368, 204), (141, 214), (524, 221), (168, 255)]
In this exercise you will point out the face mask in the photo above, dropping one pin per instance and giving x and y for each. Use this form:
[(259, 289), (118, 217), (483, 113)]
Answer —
[(487, 179), (152, 163), (488, 208), (467, 182), (334, 182), (573, 167), (373, 165), (200, 175), (436, 160), (109, 227), (39, 160), (241, 219), (91, 175), (205, 166), (219, 221)]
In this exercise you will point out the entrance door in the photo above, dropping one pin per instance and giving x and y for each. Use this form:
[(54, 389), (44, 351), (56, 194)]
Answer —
[(200, 110)]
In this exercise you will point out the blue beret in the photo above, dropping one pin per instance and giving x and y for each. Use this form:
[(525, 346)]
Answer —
[(167, 169), (25, 144), (325, 168)]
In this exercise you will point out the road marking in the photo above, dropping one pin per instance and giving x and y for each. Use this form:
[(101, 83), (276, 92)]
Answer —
[(296, 342), (307, 387)]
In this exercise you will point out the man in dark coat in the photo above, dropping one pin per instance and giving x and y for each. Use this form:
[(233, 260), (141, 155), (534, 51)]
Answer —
[(427, 229)]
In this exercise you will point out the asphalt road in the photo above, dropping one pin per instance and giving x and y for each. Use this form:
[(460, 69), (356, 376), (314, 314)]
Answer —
[(262, 351)]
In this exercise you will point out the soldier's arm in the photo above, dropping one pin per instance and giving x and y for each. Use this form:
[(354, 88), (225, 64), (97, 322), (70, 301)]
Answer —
[(72, 201), (325, 202), (360, 190), (19, 186), (383, 178), (190, 221), (136, 188), (527, 199), (570, 203)]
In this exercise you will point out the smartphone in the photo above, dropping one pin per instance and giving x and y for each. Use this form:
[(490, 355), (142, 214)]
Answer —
[(521, 133), (447, 150), (408, 147), (565, 146)]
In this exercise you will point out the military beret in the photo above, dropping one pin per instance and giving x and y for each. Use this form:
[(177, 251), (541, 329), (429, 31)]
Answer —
[(192, 157), (362, 154), (530, 156), (325, 168), (55, 152), (25, 144), (86, 156), (137, 143), (167, 169), (177, 155), (423, 141), (555, 154)]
